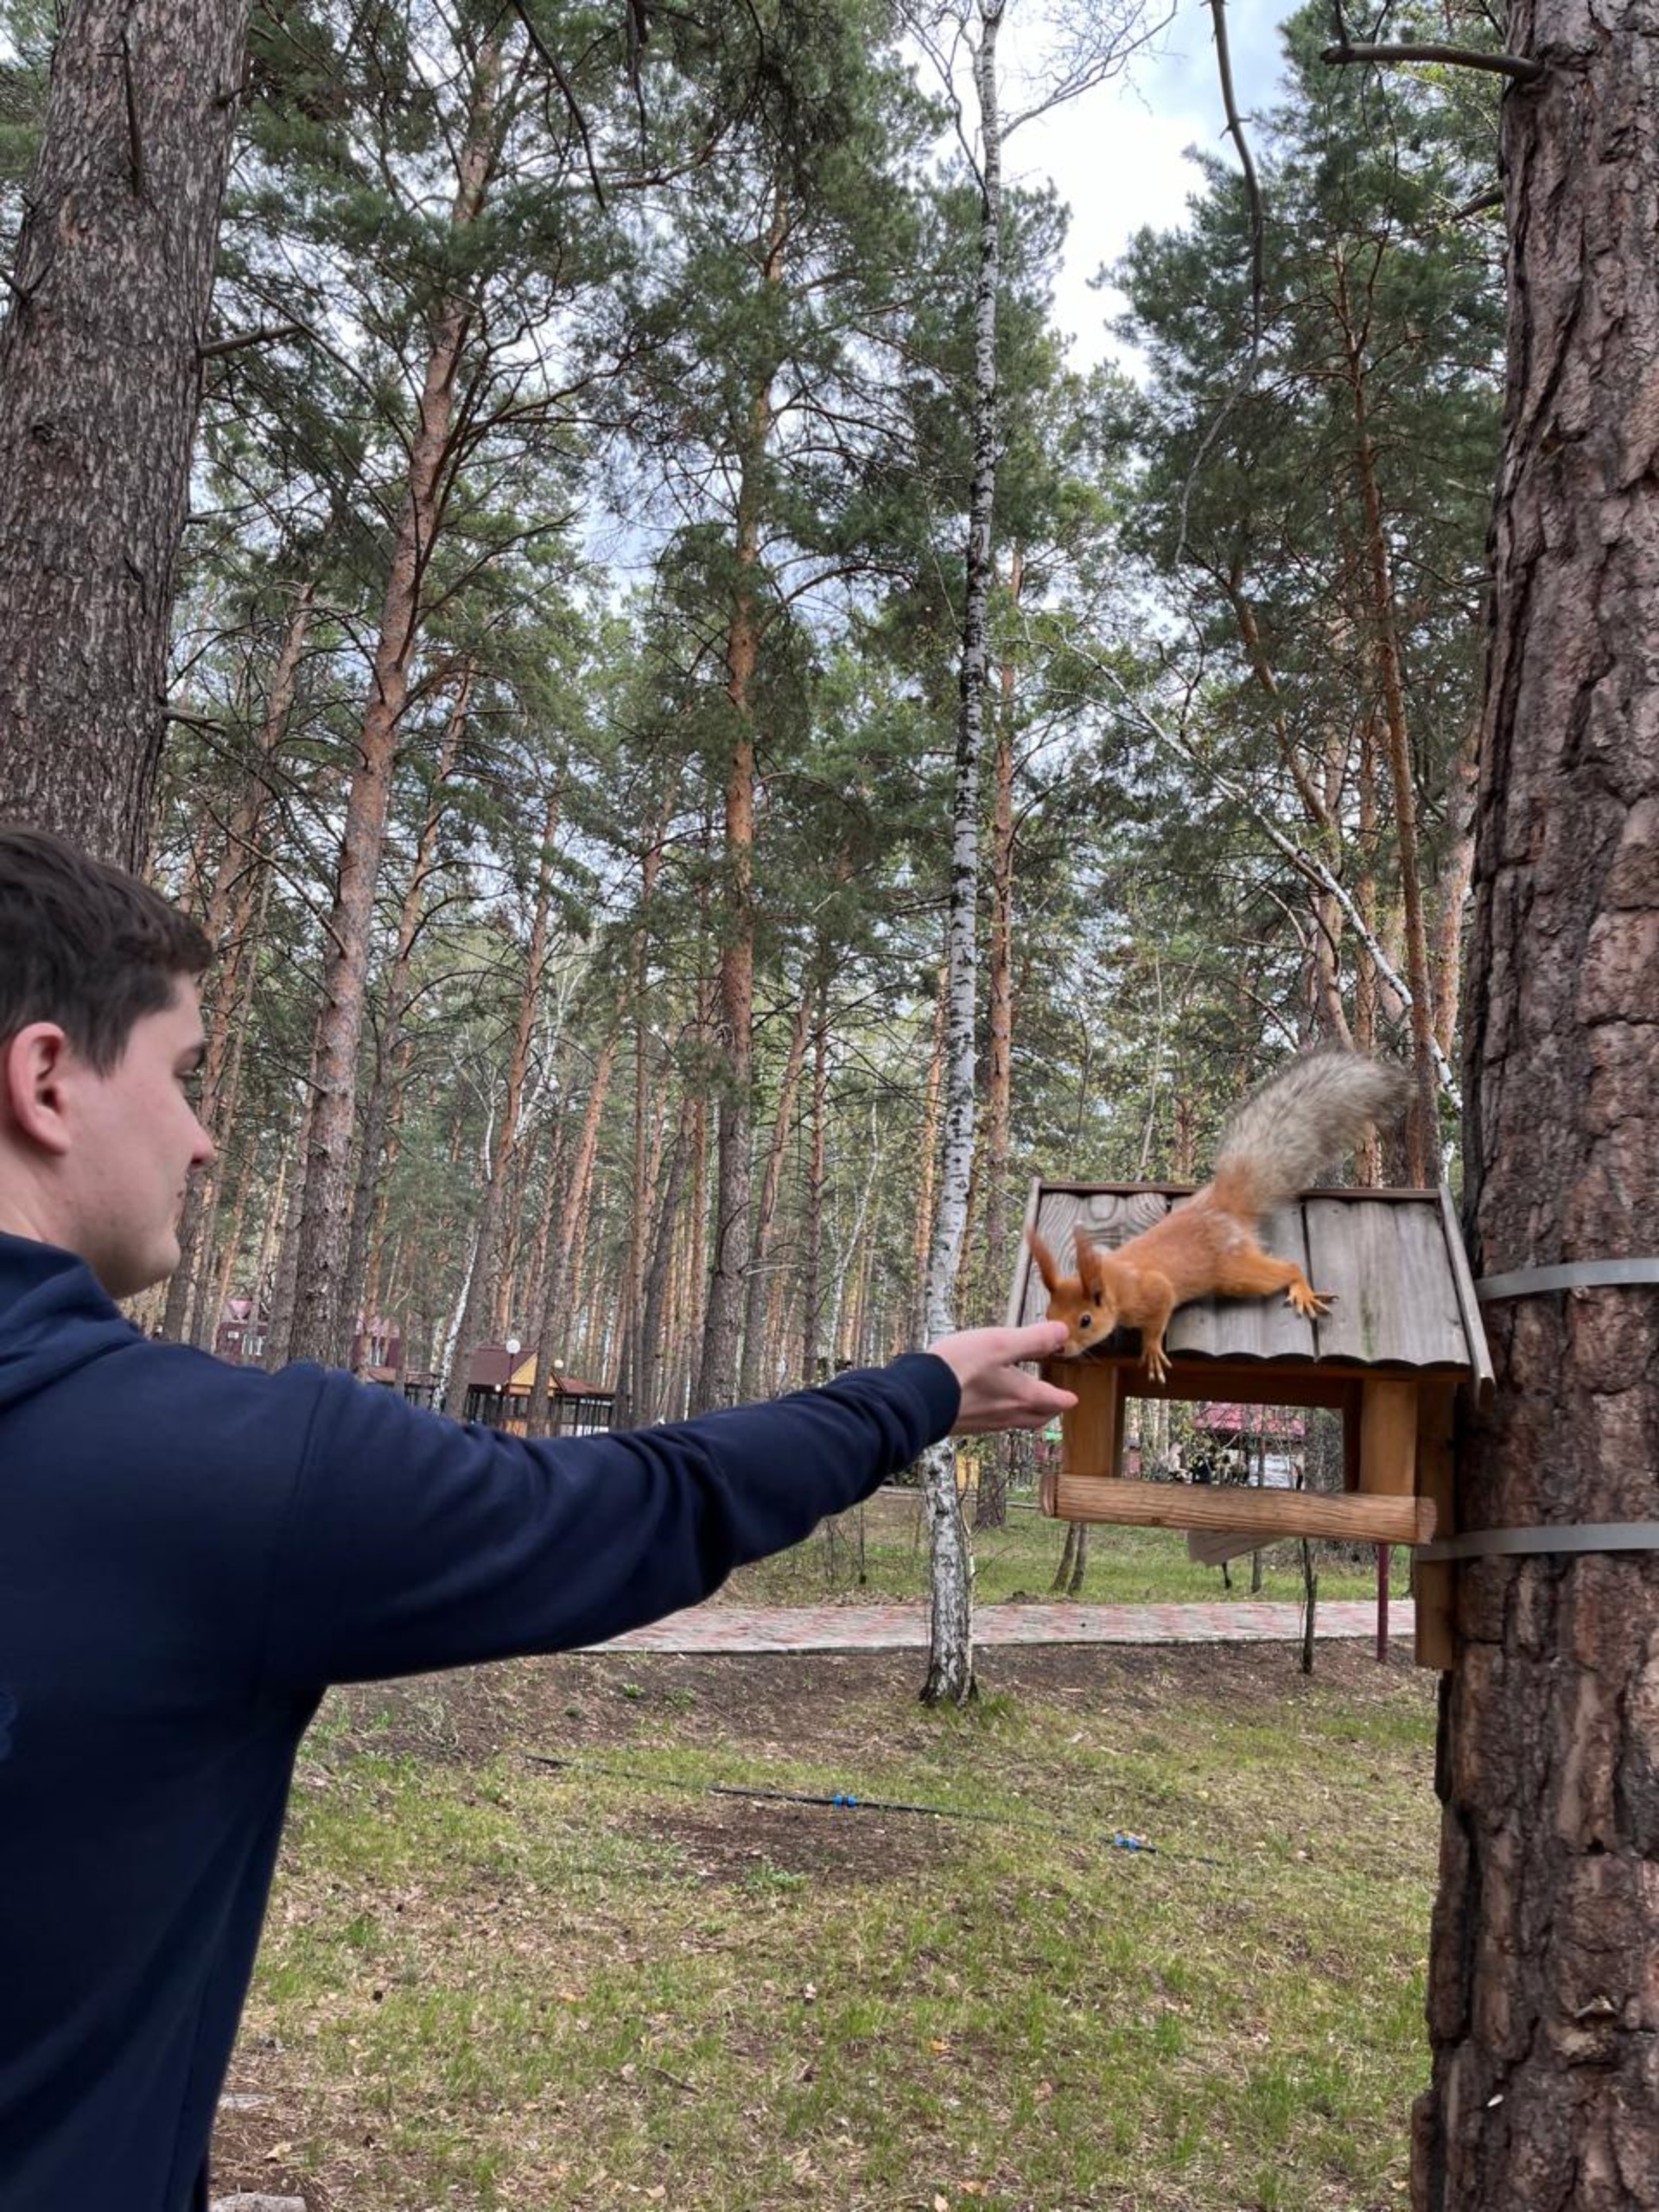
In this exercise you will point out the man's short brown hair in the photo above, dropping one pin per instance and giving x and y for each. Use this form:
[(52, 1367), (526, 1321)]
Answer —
[(86, 945)]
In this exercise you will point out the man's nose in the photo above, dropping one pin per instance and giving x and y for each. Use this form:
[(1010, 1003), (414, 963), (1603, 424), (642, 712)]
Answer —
[(205, 1149)]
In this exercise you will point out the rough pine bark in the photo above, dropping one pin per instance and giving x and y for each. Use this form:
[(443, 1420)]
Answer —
[(951, 1657), (100, 376), (1543, 2003)]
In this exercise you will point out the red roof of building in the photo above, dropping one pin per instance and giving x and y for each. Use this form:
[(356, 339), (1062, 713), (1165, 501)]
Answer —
[(1250, 1420)]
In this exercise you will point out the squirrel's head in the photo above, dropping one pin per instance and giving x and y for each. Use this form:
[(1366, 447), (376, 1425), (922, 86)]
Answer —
[(1083, 1301)]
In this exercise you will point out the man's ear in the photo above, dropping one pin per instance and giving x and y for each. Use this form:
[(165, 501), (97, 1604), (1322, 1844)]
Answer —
[(34, 1064), (1045, 1260)]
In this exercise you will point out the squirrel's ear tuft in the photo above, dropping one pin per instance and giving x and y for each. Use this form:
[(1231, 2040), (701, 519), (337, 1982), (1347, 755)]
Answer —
[(1045, 1260), (1090, 1273)]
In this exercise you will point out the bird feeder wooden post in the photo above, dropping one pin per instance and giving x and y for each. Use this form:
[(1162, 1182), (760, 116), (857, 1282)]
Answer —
[(1402, 1337)]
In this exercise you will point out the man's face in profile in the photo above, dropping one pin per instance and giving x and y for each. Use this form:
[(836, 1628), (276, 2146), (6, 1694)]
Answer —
[(133, 1139)]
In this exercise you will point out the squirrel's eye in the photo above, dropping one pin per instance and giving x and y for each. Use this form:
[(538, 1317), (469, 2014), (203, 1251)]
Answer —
[(1085, 1320)]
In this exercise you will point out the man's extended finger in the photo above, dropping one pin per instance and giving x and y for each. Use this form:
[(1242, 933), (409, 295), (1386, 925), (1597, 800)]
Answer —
[(1037, 1340)]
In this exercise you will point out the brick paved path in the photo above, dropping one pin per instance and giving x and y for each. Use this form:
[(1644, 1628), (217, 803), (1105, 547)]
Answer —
[(902, 1628)]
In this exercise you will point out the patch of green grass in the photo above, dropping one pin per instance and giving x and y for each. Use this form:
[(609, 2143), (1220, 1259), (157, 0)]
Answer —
[(490, 1984)]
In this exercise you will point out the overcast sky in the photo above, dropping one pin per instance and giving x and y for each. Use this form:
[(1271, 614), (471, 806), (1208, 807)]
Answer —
[(1118, 155)]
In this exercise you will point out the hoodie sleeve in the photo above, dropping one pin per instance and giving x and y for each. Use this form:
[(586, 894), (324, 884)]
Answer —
[(412, 1543)]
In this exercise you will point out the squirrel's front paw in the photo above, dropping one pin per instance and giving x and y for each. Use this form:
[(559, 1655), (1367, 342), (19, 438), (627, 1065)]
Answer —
[(1313, 1304), (1157, 1366)]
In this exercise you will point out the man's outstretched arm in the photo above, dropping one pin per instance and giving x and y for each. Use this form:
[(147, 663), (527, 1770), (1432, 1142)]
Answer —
[(412, 1544)]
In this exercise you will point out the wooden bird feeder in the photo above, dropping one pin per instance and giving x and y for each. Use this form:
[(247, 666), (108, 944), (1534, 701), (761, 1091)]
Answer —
[(1402, 1337)]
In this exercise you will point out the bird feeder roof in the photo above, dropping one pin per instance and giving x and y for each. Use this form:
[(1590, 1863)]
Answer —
[(1392, 1262)]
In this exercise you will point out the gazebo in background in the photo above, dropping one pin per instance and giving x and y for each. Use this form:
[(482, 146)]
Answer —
[(501, 1382)]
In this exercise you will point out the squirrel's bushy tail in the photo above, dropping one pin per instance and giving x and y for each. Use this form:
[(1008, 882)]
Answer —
[(1301, 1120)]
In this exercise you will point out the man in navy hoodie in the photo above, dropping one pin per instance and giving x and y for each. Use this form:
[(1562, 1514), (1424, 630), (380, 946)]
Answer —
[(191, 1553)]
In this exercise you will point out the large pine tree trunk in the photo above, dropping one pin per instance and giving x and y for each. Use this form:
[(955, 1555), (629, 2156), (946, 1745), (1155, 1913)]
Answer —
[(631, 1377), (384, 1115), (770, 1184), (950, 1659), (241, 885), (1543, 2004), (812, 1286), (475, 1315), (101, 375), (1422, 1129), (651, 1362), (554, 1317), (321, 1327), (717, 1372)]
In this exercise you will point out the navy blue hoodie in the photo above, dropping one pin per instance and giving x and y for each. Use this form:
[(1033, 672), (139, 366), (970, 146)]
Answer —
[(190, 1553)]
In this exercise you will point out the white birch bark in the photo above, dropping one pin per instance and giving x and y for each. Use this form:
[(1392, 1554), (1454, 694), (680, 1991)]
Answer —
[(950, 1659)]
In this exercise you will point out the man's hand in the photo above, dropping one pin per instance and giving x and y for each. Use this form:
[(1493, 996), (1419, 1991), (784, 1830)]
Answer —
[(996, 1394)]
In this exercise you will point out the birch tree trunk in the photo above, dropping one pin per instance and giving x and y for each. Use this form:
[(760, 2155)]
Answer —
[(926, 1205), (101, 375), (998, 1456), (951, 1658), (1543, 2004), (319, 1323)]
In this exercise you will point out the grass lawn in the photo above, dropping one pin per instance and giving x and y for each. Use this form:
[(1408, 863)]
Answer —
[(489, 1982), (1124, 1567)]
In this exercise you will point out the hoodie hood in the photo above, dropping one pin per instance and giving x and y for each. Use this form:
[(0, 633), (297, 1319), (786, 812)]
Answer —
[(55, 1316)]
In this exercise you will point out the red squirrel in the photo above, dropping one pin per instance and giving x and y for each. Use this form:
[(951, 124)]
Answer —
[(1275, 1144)]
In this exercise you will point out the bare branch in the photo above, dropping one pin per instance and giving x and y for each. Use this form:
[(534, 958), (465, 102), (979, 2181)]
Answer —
[(1308, 865), (1258, 266), (1479, 205), (266, 335), (1524, 71), (134, 139), (550, 62)]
